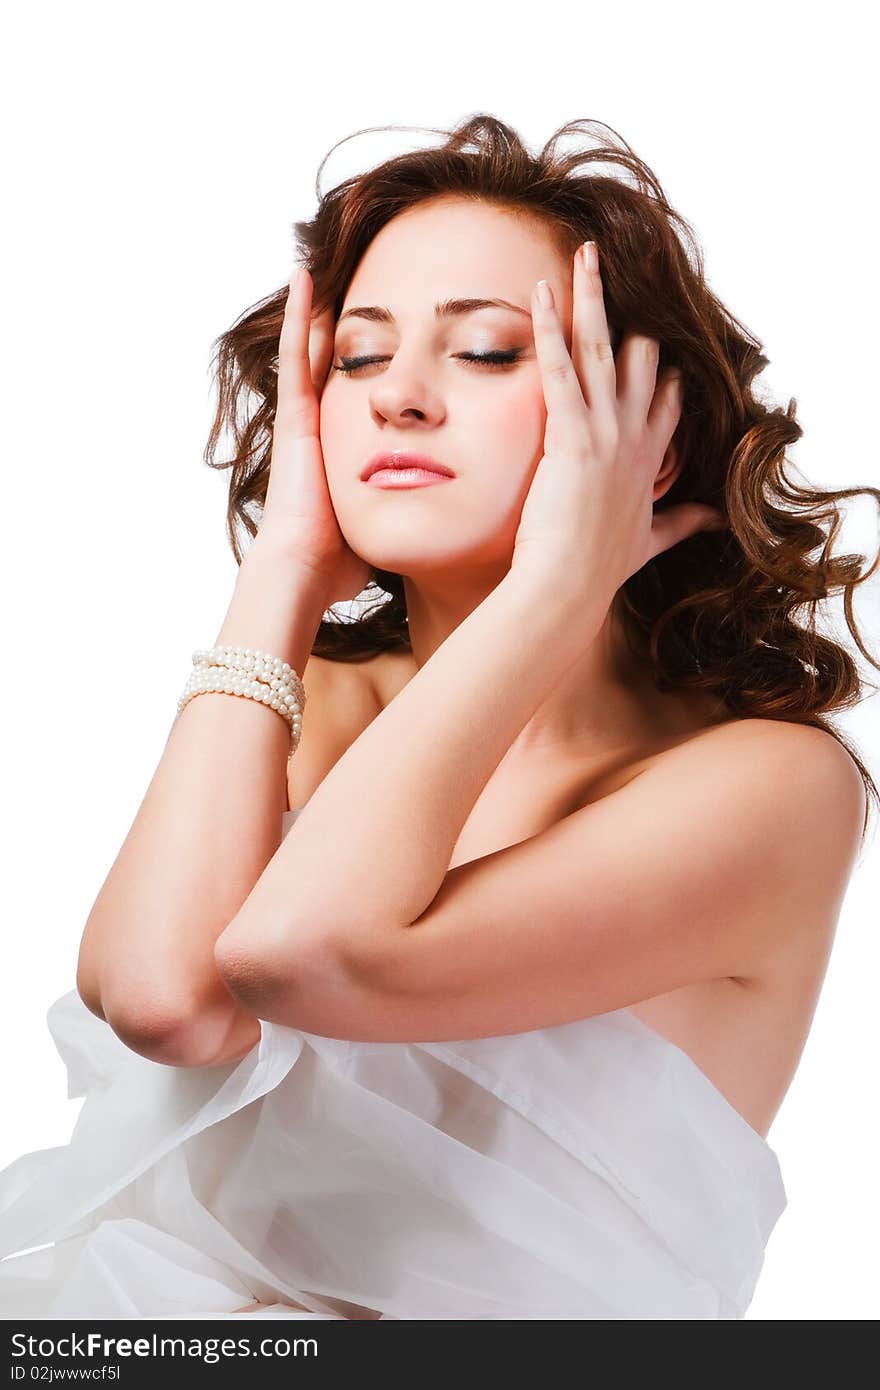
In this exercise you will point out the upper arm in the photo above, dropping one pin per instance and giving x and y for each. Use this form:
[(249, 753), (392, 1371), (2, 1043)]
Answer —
[(708, 865)]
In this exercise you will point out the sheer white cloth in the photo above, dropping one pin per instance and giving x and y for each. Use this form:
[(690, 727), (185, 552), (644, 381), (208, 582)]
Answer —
[(590, 1170)]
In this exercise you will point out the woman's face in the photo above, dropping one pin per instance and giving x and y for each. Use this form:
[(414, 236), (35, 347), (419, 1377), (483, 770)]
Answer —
[(484, 422)]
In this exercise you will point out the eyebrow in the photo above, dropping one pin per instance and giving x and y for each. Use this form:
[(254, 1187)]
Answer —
[(445, 308)]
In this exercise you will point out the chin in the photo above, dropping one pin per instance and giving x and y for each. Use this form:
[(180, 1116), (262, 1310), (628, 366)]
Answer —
[(420, 563), (414, 541)]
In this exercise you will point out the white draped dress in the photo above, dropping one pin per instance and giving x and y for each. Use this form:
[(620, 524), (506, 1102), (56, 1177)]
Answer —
[(590, 1170)]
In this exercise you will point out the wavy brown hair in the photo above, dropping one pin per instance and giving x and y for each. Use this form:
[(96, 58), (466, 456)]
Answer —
[(730, 612)]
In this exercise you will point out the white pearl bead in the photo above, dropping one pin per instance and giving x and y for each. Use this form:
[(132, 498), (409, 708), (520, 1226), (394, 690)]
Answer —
[(243, 671)]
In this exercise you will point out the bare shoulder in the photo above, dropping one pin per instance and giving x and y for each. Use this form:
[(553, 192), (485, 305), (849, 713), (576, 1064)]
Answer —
[(341, 700), (789, 791), (807, 767)]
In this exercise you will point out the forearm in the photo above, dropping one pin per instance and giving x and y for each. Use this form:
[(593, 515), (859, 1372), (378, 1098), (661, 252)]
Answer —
[(373, 845), (208, 825)]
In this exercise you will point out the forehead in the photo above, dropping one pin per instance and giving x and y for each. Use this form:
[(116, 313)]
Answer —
[(455, 246)]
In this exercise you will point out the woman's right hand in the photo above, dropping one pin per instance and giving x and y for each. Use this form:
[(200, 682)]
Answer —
[(298, 516)]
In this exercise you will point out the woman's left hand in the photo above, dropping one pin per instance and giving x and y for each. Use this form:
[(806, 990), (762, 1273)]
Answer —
[(588, 517)]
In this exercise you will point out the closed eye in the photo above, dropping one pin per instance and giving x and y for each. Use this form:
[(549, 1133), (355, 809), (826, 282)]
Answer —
[(491, 360)]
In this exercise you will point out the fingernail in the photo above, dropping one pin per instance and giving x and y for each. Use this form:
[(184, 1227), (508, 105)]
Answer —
[(545, 295), (590, 255)]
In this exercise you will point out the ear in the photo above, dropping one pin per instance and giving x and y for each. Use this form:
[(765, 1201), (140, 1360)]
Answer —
[(669, 470)]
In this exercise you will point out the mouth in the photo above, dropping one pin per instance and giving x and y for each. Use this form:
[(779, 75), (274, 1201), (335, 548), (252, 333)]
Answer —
[(404, 467)]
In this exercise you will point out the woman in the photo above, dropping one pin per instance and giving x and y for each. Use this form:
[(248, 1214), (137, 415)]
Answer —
[(572, 797)]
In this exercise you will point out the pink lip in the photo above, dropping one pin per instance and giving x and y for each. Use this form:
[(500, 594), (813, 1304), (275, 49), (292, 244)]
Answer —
[(405, 477), (414, 469)]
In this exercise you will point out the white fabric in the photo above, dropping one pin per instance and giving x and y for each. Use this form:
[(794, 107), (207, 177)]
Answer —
[(590, 1170)]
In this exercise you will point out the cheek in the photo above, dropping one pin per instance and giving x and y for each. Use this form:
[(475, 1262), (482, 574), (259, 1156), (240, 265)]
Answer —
[(521, 424), (529, 405), (503, 470)]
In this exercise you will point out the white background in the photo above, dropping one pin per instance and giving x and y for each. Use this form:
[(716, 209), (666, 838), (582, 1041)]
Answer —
[(156, 159)]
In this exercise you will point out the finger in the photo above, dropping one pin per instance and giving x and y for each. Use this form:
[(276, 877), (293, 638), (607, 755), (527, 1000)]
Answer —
[(566, 410), (665, 410), (296, 413), (677, 523), (591, 348), (637, 361)]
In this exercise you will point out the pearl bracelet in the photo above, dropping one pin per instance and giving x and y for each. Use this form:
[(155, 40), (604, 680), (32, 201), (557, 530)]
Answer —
[(253, 674)]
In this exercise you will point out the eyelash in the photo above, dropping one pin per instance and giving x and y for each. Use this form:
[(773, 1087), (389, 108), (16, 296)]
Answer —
[(493, 360)]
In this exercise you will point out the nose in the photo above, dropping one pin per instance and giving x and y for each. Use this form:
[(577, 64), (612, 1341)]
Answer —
[(403, 393)]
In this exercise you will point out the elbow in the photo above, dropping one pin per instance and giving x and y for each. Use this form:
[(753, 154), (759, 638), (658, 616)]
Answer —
[(89, 992), (146, 1021), (243, 972), (177, 1026), (167, 1031), (270, 981)]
